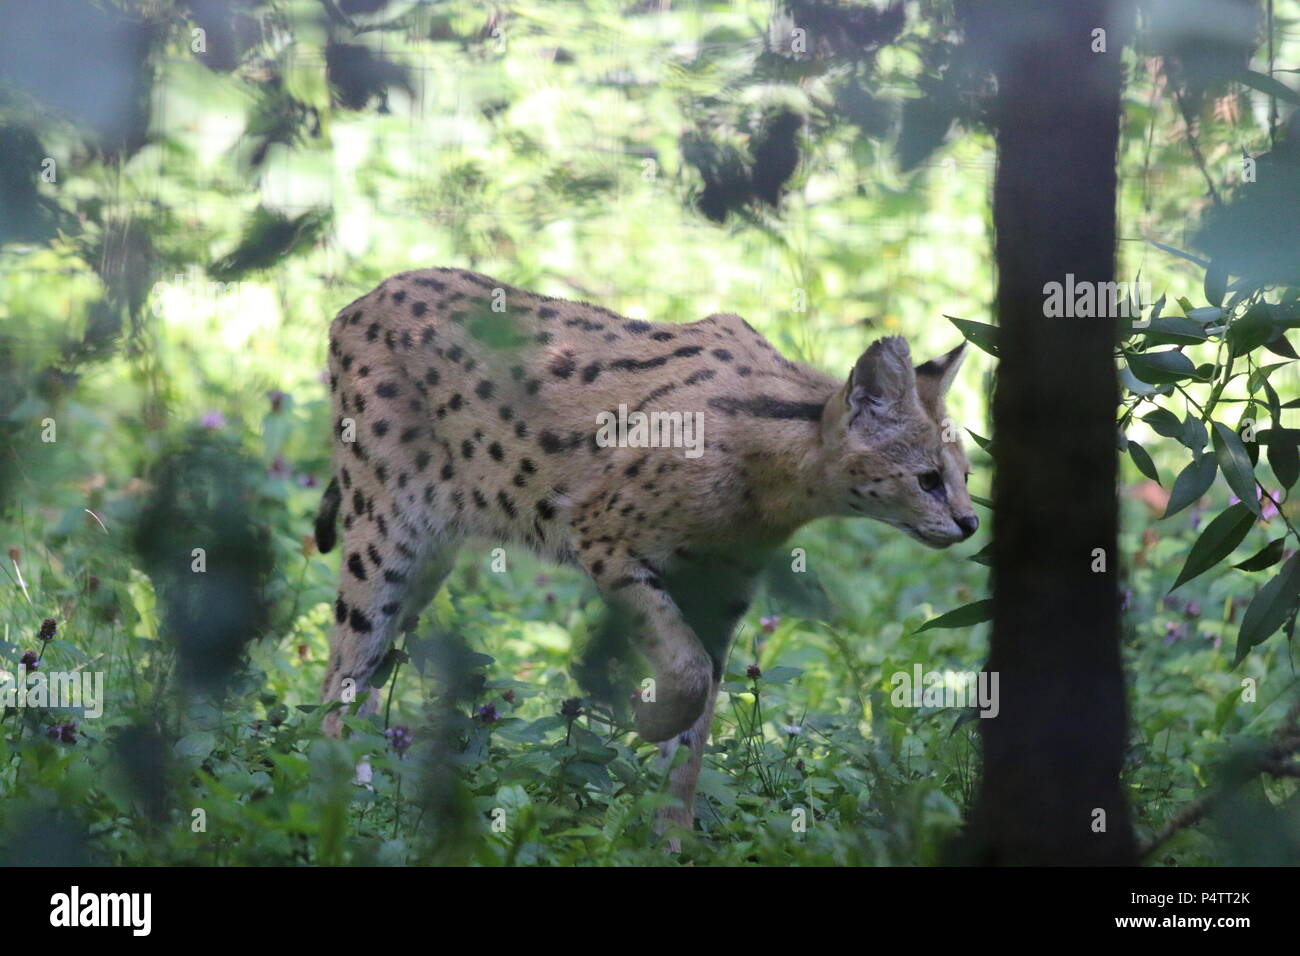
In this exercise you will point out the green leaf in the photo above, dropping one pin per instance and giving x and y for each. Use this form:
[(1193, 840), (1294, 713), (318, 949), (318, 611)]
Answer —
[(1216, 284), (1266, 557), (983, 337), (1251, 330), (1259, 377), (1270, 608), (1280, 346), (1269, 86), (976, 612), (1192, 482), (1284, 455), (1180, 254), (1193, 434), (984, 555), (1174, 330), (1220, 537), (1236, 465), (984, 443), (1161, 368), (1143, 461), (197, 745), (1130, 382), (1164, 422)]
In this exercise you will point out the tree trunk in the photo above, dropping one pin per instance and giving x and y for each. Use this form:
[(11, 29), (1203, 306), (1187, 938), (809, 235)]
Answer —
[(1050, 792)]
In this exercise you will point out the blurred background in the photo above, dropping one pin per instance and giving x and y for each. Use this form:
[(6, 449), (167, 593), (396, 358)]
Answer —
[(189, 191)]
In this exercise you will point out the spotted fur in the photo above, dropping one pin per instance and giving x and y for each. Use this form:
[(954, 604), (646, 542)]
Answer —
[(473, 408)]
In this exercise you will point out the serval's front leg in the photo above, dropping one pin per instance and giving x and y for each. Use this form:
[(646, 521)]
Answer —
[(682, 778), (684, 673)]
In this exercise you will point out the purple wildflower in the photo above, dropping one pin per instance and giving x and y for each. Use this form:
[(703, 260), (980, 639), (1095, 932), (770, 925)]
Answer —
[(399, 738), (63, 733)]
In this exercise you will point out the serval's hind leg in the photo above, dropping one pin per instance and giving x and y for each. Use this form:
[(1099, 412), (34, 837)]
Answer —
[(382, 584)]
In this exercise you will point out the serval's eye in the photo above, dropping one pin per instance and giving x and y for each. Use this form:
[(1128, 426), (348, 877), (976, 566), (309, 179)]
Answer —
[(930, 481)]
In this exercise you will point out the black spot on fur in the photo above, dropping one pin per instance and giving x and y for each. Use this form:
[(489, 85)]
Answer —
[(357, 566), (360, 623), (765, 406), (387, 390), (507, 505), (637, 365)]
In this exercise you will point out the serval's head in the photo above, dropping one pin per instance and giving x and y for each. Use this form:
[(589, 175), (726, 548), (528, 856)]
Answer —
[(896, 457)]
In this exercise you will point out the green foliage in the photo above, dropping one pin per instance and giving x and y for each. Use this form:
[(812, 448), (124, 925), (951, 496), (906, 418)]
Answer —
[(164, 303)]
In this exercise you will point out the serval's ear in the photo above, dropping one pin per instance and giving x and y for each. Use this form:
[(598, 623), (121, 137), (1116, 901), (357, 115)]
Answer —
[(882, 381), (934, 377)]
